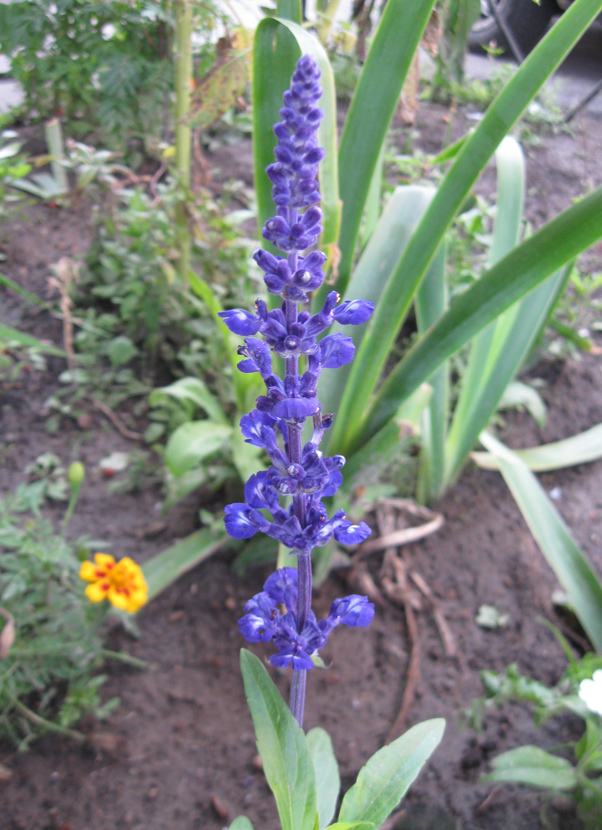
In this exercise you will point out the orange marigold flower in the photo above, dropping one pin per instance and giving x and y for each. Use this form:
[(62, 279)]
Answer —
[(122, 583)]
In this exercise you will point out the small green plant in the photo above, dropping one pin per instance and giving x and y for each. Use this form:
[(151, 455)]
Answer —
[(13, 168), (577, 771), (131, 301), (121, 79), (51, 644)]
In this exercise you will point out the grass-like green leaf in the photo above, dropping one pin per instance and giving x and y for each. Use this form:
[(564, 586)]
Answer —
[(11, 335), (286, 758), (328, 780), (535, 767), (385, 779), (554, 538), (579, 449), (387, 243), (518, 273), (476, 151), (165, 567), (372, 107), (430, 305)]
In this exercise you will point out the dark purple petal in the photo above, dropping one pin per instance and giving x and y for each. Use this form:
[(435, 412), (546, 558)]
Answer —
[(243, 521), (259, 623), (348, 534), (251, 426), (281, 586), (296, 410), (240, 321), (353, 312), (355, 611), (335, 351)]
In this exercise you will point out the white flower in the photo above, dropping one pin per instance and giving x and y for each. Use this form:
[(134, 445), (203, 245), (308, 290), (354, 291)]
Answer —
[(590, 692), (107, 31)]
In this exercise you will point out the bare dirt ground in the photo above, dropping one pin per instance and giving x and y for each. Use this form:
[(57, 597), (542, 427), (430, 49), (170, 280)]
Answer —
[(179, 753)]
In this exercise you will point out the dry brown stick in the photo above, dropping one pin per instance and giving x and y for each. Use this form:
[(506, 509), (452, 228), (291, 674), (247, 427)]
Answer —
[(412, 676), (400, 591), (401, 537), (447, 638), (121, 428)]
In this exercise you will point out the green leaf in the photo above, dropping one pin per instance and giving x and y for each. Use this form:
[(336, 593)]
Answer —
[(165, 567), (390, 313), (519, 394), (8, 283), (121, 350), (522, 270), (385, 779), (365, 465), (535, 767), (579, 449), (370, 276), (351, 825), (196, 392), (569, 563), (192, 442), (286, 759), (245, 385), (279, 43), (431, 304), (374, 101), (241, 823), (326, 768), (10, 335)]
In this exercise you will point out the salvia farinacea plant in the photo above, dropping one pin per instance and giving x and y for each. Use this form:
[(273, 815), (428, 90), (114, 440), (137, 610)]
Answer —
[(300, 476)]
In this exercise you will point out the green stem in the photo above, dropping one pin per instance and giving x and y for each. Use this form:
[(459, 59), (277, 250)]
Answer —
[(70, 509), (183, 72), (122, 657), (47, 724)]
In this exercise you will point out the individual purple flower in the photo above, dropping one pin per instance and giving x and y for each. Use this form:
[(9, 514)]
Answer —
[(240, 321)]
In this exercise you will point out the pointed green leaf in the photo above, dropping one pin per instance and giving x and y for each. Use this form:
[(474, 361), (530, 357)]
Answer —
[(326, 768), (8, 334), (522, 270), (351, 825), (241, 823), (387, 776), (165, 567), (245, 385), (374, 101), (279, 43), (286, 759), (535, 767), (563, 554), (393, 230), (192, 442), (196, 392), (431, 304), (396, 300), (579, 449)]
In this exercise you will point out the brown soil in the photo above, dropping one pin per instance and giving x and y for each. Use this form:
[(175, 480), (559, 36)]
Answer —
[(179, 751)]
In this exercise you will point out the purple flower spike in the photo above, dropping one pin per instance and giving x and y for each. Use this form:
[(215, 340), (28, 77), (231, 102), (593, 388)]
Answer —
[(282, 611)]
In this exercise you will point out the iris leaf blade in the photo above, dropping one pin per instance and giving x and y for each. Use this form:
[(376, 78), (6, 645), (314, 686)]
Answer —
[(475, 153), (518, 273)]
